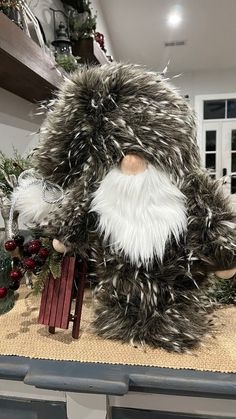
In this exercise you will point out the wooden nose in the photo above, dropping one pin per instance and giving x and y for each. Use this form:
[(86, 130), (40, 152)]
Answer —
[(132, 164)]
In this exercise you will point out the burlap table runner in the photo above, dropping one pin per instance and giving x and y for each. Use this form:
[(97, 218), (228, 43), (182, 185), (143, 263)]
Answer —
[(21, 335)]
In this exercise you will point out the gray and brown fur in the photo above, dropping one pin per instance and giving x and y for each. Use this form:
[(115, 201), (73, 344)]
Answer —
[(100, 115)]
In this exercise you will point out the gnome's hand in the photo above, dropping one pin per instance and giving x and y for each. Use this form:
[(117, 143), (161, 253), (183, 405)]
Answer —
[(227, 274), (59, 246)]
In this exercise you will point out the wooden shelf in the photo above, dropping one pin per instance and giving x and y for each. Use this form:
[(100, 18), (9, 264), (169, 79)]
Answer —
[(25, 69)]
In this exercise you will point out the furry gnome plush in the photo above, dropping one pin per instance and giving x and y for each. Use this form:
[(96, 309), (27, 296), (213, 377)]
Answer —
[(121, 142)]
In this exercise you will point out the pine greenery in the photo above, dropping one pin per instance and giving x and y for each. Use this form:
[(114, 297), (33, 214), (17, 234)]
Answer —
[(67, 62), (11, 166), (81, 25), (6, 303), (224, 291), (52, 267)]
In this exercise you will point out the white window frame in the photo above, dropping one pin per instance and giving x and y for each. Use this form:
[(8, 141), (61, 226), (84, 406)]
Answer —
[(198, 106)]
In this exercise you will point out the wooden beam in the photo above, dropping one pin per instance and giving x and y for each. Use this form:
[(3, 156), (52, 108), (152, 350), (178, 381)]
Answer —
[(25, 69)]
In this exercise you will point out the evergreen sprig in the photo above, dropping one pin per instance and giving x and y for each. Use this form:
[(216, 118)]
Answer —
[(11, 166), (6, 303), (67, 62), (223, 291), (52, 267), (81, 25)]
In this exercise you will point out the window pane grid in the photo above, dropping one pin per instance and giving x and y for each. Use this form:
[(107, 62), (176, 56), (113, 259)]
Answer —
[(233, 184), (210, 141), (220, 109), (233, 139), (231, 108), (214, 109), (233, 163)]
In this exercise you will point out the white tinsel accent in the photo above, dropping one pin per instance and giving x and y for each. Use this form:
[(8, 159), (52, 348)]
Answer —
[(34, 198)]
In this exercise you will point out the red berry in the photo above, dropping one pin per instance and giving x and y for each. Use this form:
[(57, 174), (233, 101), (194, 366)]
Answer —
[(3, 292), (29, 263), (43, 253), (36, 241), (10, 245), (15, 275), (34, 248)]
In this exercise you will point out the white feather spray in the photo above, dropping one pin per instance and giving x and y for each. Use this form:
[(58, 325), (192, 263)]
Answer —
[(30, 201)]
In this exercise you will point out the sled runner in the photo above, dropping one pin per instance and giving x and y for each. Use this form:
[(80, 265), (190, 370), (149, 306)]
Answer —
[(55, 308)]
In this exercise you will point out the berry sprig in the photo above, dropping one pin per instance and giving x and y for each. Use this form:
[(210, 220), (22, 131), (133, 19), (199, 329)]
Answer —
[(31, 256)]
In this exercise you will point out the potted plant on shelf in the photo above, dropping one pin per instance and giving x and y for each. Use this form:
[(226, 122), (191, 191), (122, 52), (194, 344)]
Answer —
[(82, 27)]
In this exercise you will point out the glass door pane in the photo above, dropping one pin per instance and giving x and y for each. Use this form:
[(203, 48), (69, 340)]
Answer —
[(214, 109), (211, 140), (229, 157), (233, 161), (231, 108), (210, 148), (233, 184)]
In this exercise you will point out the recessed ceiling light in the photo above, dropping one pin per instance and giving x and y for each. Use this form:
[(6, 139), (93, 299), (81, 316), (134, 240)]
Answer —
[(174, 19)]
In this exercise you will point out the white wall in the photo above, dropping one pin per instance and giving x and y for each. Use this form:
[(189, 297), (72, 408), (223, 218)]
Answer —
[(17, 123), (206, 82)]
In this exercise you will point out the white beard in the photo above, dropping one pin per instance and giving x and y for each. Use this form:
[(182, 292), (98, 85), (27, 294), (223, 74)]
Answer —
[(139, 214)]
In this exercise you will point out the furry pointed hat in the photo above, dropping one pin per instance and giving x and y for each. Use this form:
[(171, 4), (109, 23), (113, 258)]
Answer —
[(102, 113)]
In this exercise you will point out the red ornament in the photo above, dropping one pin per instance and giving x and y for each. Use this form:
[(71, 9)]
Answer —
[(29, 263), (43, 253), (99, 37), (10, 245), (34, 247), (3, 292), (15, 275)]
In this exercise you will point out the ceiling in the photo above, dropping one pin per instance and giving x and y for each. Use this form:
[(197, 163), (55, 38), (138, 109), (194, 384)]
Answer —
[(138, 31)]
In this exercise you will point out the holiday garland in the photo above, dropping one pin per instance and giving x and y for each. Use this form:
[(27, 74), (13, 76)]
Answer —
[(36, 256), (6, 293), (223, 291), (82, 23), (11, 167)]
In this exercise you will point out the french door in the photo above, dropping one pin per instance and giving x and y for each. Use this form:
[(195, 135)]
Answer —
[(219, 153)]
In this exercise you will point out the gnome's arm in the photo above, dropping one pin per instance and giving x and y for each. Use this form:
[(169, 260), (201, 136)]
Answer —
[(71, 222), (212, 224)]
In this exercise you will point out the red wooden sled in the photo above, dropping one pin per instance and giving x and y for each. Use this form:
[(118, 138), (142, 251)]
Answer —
[(55, 308)]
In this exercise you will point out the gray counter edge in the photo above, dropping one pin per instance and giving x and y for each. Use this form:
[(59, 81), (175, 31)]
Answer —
[(115, 379)]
